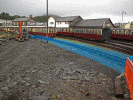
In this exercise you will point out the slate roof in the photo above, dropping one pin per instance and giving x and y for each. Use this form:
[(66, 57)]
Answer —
[(96, 22), (81, 23), (21, 19), (92, 22), (66, 19)]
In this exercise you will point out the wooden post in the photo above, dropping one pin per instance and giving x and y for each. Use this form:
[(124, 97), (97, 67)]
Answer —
[(47, 21)]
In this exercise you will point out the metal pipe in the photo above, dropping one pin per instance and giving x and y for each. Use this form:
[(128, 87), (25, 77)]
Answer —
[(47, 21)]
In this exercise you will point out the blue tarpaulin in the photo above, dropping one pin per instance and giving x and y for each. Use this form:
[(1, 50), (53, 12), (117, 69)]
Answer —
[(109, 58)]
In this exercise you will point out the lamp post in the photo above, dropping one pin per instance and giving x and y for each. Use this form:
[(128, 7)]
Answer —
[(122, 17), (47, 21)]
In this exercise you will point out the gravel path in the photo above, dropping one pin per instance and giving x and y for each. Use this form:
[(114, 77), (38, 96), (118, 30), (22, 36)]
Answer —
[(35, 70)]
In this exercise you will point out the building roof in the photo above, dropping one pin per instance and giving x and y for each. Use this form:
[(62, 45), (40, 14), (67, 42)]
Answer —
[(81, 23), (93, 22), (96, 22), (21, 19), (119, 24), (66, 19)]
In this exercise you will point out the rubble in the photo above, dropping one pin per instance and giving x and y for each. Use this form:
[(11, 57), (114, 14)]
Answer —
[(42, 75)]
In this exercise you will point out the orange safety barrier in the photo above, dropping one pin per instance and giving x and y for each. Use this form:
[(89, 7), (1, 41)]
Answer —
[(129, 76)]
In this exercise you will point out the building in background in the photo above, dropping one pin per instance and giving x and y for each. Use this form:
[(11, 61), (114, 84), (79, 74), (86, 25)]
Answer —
[(120, 25), (129, 25), (25, 21), (95, 23), (63, 22), (4, 22)]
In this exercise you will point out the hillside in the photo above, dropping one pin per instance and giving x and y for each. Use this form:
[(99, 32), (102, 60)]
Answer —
[(43, 18), (6, 16)]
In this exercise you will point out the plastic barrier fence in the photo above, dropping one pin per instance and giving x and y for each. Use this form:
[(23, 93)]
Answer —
[(110, 59), (129, 76)]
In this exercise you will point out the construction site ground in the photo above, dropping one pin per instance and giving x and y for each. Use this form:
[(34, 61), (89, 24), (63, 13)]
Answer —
[(35, 70)]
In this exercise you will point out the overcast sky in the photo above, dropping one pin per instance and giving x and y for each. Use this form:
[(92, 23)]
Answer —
[(87, 9)]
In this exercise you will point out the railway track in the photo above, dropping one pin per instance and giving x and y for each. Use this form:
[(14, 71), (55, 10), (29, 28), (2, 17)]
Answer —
[(121, 47), (129, 43)]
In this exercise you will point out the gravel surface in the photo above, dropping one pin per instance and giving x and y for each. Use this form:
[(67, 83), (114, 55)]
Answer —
[(35, 70)]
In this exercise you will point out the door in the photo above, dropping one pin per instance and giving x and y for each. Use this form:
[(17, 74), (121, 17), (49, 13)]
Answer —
[(106, 33)]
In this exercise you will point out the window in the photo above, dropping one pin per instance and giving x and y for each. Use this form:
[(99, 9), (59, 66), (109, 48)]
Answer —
[(76, 30), (97, 31), (108, 24), (81, 30), (61, 30), (131, 33), (113, 31), (87, 31), (100, 31), (51, 22), (17, 23), (122, 31), (84, 31), (64, 30), (49, 30), (68, 30), (126, 32), (117, 32), (91, 31)]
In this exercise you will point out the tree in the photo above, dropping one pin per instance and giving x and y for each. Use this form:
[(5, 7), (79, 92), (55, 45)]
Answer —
[(3, 13)]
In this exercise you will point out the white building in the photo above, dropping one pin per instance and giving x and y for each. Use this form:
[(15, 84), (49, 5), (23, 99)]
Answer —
[(4, 22), (63, 22)]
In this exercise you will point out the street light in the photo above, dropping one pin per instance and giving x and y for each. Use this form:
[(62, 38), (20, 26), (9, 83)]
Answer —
[(122, 16), (47, 21)]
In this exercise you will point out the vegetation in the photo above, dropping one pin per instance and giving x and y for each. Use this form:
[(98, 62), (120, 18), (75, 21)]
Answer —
[(42, 18), (6, 16)]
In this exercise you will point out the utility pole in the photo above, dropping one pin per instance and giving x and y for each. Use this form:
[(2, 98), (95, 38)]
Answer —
[(47, 21), (122, 17)]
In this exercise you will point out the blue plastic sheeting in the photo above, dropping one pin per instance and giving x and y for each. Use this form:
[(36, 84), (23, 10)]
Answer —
[(131, 58), (109, 58)]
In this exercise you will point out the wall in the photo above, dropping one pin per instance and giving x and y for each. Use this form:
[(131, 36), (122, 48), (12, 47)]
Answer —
[(62, 24), (109, 24), (127, 26), (75, 21), (51, 22), (30, 22), (5, 22)]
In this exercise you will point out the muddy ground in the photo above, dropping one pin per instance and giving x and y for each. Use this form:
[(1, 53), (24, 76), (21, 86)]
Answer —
[(35, 70)]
